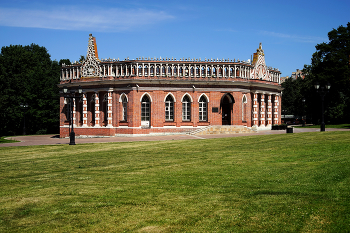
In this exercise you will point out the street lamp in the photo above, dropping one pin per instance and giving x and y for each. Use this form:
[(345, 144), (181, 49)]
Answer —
[(25, 107), (323, 90), (71, 95)]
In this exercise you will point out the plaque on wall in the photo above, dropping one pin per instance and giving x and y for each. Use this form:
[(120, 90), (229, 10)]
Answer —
[(215, 109)]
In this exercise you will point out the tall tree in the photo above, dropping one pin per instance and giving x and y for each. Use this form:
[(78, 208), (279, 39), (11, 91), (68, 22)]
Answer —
[(28, 76), (330, 64)]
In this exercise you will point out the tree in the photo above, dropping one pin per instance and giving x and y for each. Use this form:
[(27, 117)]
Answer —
[(82, 59), (294, 93), (64, 61), (331, 63), (28, 76)]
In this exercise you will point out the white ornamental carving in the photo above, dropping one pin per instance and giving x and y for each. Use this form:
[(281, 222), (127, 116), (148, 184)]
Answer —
[(91, 66), (260, 70)]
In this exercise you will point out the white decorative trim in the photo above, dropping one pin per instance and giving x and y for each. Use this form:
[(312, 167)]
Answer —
[(149, 96), (121, 98), (205, 97), (188, 96), (171, 96), (91, 66)]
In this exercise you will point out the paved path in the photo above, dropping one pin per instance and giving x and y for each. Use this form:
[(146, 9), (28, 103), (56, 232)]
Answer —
[(55, 140)]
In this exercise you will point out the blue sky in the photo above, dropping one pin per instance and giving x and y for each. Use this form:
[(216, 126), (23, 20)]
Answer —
[(288, 30)]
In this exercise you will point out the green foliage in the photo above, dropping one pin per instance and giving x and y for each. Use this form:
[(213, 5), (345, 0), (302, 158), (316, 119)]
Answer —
[(329, 64), (292, 103), (291, 183), (28, 76), (64, 61), (81, 59), (3, 140)]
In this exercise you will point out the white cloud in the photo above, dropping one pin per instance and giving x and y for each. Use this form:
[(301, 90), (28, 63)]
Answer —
[(304, 39), (76, 18)]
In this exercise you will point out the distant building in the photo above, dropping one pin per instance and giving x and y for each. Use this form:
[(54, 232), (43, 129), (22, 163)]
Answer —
[(283, 79), (166, 95), (297, 74)]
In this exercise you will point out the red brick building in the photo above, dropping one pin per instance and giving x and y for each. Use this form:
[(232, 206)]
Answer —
[(151, 95)]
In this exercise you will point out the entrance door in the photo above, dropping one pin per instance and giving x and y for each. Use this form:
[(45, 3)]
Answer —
[(226, 110)]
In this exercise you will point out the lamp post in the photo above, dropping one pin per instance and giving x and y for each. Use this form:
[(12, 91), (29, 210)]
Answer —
[(322, 90), (25, 107), (71, 95)]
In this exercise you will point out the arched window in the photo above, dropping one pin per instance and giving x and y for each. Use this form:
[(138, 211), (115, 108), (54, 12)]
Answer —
[(145, 109), (203, 108), (92, 108), (244, 108), (169, 108), (186, 108), (203, 71), (124, 101), (81, 104), (67, 107), (105, 107)]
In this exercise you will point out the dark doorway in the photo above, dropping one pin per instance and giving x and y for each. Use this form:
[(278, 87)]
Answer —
[(226, 108)]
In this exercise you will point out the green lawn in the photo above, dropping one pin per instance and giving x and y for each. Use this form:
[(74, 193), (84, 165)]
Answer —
[(3, 140), (340, 126), (275, 183)]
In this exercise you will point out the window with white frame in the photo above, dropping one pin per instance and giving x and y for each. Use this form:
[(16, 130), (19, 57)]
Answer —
[(105, 103), (244, 108), (169, 108), (186, 108), (145, 108), (203, 107), (124, 108)]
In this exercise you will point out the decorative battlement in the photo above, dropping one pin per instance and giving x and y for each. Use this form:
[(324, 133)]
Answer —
[(146, 68)]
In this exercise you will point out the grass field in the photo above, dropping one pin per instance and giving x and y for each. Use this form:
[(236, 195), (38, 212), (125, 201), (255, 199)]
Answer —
[(275, 183), (339, 126), (3, 140)]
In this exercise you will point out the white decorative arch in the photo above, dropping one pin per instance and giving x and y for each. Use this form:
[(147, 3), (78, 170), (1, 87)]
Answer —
[(188, 96), (171, 96), (149, 96), (205, 97), (121, 97)]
